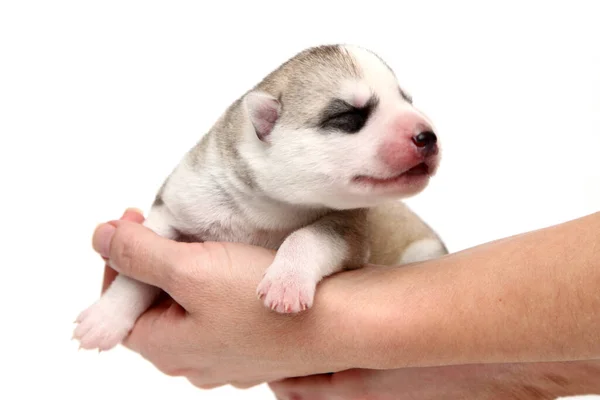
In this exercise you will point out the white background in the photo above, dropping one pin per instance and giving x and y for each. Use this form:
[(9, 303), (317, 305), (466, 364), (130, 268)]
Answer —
[(99, 100)]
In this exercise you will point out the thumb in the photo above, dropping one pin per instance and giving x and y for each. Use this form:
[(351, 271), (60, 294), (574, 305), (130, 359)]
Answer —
[(139, 253)]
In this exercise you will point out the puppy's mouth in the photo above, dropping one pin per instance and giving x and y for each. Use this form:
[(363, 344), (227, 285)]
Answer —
[(415, 174), (419, 169)]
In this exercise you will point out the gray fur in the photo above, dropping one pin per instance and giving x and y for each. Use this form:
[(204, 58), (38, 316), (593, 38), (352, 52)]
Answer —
[(304, 86)]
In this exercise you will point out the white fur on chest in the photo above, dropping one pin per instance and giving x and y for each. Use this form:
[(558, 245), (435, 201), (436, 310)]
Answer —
[(211, 205)]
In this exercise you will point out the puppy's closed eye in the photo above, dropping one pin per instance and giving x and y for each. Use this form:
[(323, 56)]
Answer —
[(343, 117), (348, 122)]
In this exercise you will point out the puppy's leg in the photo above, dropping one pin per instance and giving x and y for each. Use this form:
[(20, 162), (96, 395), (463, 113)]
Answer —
[(422, 250), (308, 255), (104, 324)]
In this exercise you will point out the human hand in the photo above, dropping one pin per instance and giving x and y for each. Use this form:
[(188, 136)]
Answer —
[(211, 328), (216, 331), (533, 381)]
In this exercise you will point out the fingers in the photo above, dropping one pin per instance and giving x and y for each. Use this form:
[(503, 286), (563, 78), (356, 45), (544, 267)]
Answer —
[(309, 387), (205, 382), (110, 274), (207, 386), (136, 251), (246, 385), (162, 326)]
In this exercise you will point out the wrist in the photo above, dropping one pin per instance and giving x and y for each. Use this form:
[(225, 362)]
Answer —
[(333, 334), (354, 323)]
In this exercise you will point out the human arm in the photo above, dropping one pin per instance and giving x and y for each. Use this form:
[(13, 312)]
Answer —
[(527, 381), (527, 298), (377, 317)]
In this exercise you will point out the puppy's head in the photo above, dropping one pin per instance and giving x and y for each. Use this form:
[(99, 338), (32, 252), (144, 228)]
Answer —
[(333, 127)]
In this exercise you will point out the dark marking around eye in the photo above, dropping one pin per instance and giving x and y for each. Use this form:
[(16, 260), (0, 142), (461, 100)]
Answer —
[(405, 95), (344, 117)]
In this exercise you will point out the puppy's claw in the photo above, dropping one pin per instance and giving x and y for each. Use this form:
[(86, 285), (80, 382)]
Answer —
[(287, 293)]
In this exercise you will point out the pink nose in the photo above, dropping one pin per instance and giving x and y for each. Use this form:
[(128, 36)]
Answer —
[(411, 124), (410, 140)]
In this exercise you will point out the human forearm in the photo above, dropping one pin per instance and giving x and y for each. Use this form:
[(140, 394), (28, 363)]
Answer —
[(532, 297), (536, 381)]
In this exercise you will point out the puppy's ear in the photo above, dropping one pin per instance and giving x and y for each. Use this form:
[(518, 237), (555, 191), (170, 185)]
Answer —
[(264, 111)]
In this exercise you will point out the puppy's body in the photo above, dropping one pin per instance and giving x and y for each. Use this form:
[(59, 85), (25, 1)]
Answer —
[(311, 162)]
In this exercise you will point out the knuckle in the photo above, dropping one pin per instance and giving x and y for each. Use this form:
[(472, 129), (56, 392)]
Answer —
[(174, 372), (202, 383), (245, 385), (210, 386)]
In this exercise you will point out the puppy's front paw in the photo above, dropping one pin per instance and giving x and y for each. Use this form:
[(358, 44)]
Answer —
[(102, 326), (286, 291)]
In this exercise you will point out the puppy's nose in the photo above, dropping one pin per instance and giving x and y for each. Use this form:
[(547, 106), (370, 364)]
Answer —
[(425, 140)]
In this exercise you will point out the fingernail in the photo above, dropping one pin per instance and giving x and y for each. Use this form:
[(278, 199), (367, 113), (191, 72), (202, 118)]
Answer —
[(102, 239), (134, 210), (112, 265)]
